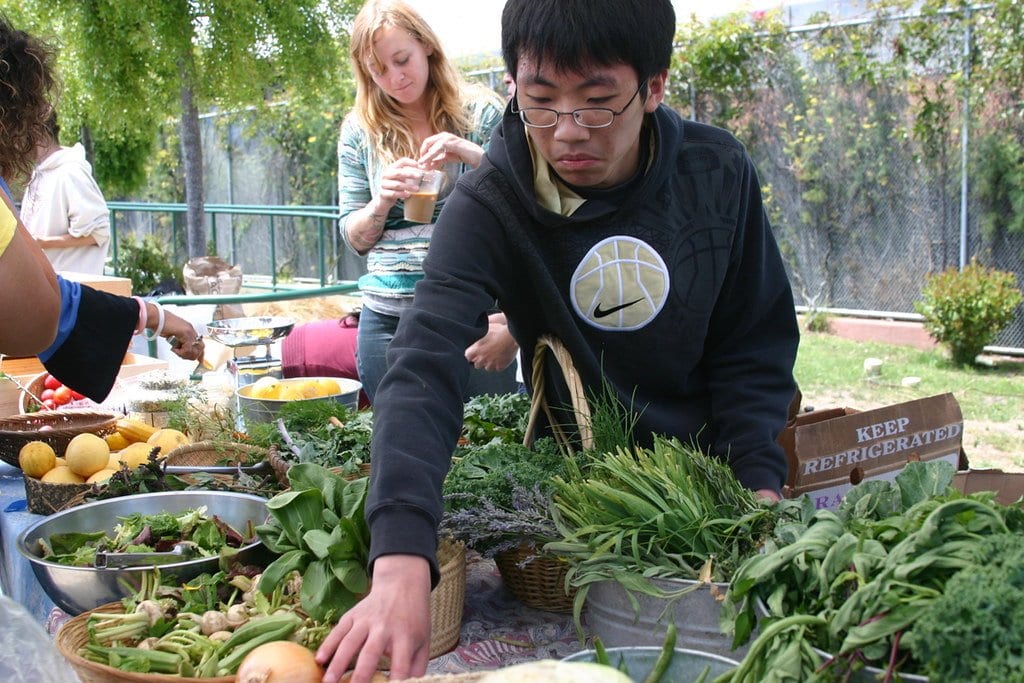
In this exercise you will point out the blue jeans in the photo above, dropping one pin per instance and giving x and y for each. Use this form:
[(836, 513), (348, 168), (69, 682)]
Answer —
[(376, 331)]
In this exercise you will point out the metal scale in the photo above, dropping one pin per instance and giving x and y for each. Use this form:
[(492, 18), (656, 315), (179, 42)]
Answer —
[(265, 331)]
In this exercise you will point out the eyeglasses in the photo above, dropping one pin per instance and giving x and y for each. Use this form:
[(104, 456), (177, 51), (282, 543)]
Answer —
[(587, 117)]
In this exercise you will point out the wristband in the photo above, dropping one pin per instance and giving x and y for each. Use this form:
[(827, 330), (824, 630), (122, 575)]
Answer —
[(159, 325), (143, 315)]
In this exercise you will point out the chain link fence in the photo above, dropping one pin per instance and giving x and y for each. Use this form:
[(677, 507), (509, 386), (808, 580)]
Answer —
[(864, 199)]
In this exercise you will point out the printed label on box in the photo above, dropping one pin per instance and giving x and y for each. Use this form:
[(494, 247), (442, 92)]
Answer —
[(830, 453)]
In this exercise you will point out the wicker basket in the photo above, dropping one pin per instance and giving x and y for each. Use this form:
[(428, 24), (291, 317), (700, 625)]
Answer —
[(535, 579), (280, 466), (73, 635), (547, 344), (45, 498), (212, 453), (61, 427), (448, 599)]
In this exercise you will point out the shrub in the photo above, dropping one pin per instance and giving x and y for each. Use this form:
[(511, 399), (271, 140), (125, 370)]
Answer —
[(967, 309), (145, 262)]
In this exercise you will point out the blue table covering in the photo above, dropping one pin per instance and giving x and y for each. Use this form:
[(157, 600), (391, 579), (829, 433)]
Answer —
[(18, 580)]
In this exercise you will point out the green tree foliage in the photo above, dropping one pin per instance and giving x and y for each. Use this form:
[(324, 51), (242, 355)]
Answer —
[(967, 309), (129, 66)]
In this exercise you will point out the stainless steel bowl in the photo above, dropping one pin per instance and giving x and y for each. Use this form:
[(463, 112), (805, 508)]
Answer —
[(265, 409), (78, 589), (249, 331)]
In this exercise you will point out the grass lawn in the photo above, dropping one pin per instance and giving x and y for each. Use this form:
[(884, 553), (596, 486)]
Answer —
[(830, 372)]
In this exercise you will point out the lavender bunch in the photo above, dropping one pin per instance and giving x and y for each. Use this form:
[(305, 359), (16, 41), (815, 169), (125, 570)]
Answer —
[(491, 529)]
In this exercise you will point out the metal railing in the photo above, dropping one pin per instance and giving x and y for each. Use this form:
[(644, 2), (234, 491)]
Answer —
[(325, 216)]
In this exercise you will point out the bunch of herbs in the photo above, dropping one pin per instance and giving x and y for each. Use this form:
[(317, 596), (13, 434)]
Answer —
[(498, 495), (322, 432), (669, 511)]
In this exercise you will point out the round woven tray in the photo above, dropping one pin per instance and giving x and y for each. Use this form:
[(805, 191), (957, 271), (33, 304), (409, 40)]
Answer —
[(73, 635), (537, 580), (61, 426), (447, 602), (280, 466), (45, 498), (211, 453)]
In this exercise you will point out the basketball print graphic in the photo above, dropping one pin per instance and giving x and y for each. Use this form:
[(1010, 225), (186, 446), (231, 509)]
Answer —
[(621, 284)]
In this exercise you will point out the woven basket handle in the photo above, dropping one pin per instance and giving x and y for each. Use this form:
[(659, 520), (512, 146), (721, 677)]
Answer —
[(547, 343)]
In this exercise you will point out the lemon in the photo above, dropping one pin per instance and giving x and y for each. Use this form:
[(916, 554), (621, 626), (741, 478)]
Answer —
[(114, 463), (310, 389), (167, 439), (87, 454), (291, 393), (100, 476), (36, 458), (265, 387), (135, 454), (328, 386), (62, 475)]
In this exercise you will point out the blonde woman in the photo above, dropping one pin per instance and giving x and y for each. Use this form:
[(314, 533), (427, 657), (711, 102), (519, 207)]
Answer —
[(413, 113)]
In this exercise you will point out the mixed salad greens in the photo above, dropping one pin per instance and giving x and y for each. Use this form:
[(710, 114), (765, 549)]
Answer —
[(138, 533)]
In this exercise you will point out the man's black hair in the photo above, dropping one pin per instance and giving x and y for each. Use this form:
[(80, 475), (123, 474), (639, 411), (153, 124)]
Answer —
[(572, 35)]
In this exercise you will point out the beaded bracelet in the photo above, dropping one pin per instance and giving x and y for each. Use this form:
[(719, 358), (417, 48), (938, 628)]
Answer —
[(159, 325), (143, 315)]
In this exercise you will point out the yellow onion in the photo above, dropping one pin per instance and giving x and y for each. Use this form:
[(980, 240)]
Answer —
[(281, 661)]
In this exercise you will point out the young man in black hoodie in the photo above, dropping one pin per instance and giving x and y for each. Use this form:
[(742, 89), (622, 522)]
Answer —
[(601, 217)]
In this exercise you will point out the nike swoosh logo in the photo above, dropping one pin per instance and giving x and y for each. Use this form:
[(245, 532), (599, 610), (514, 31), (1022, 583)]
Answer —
[(604, 313)]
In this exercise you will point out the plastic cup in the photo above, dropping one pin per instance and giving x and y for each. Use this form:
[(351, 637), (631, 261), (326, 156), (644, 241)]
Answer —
[(419, 207)]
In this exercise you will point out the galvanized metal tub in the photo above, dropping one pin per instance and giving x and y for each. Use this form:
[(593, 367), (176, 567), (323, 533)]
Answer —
[(692, 605), (685, 666)]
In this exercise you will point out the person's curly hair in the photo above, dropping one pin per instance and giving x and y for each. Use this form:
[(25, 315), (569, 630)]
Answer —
[(27, 82)]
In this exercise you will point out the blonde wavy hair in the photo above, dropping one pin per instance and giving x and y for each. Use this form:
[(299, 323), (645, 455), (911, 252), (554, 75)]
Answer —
[(389, 130)]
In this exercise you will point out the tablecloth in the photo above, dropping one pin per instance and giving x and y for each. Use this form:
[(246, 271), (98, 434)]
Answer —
[(497, 629)]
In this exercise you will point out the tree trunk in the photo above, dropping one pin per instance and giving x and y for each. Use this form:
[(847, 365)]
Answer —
[(192, 155)]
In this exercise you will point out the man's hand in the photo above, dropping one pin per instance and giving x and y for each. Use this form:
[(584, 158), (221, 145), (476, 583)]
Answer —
[(393, 620), (769, 494)]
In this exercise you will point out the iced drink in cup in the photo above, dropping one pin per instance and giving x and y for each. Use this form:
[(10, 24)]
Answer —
[(419, 207)]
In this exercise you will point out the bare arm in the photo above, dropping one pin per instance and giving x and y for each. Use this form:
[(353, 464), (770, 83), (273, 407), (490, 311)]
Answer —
[(365, 226), (66, 241), (29, 295)]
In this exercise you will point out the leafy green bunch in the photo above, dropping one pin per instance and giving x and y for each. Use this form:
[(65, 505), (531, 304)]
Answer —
[(669, 511), (317, 528), (855, 581), (967, 309), (499, 494), (323, 432), (496, 416), (972, 632)]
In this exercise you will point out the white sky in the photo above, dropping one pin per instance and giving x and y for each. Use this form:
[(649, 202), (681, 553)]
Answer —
[(469, 27)]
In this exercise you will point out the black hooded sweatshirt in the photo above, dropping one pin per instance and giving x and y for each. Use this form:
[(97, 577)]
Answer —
[(669, 288)]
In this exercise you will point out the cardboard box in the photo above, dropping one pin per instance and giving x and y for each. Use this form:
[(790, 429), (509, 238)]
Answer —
[(1009, 486), (831, 450), (26, 369), (104, 283)]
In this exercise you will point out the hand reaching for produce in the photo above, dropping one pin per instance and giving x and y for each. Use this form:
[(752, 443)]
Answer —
[(393, 620)]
